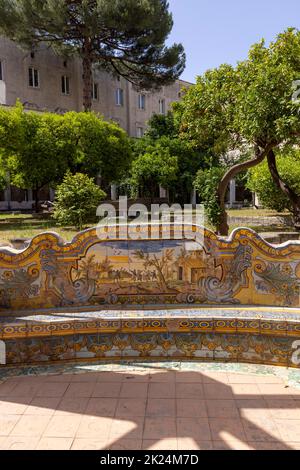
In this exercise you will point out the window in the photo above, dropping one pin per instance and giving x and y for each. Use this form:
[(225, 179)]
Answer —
[(120, 97), (34, 77), (162, 106), (140, 132), (1, 70), (95, 94), (65, 85), (142, 102)]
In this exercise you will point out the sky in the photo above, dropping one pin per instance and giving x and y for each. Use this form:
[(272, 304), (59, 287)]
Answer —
[(214, 32)]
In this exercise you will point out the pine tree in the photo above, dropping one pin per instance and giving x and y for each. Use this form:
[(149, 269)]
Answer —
[(124, 37)]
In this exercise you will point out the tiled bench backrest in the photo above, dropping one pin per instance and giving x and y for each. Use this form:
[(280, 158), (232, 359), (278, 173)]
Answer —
[(199, 269)]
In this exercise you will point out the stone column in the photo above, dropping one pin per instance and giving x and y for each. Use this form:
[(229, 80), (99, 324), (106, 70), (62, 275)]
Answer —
[(7, 195), (52, 194), (114, 192), (256, 200), (194, 197), (7, 192), (232, 193), (162, 192), (99, 180)]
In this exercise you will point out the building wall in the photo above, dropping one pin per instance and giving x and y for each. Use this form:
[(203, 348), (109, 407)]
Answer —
[(48, 96)]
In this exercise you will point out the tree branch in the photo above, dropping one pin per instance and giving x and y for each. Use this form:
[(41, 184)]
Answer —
[(260, 155), (284, 187)]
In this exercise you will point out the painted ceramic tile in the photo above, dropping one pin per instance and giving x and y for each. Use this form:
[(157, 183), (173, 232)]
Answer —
[(13, 353), (188, 343), (143, 343), (89, 272), (228, 348)]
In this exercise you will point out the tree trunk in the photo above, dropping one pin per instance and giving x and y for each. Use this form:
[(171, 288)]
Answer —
[(162, 281), (87, 63), (260, 155), (293, 197), (223, 227)]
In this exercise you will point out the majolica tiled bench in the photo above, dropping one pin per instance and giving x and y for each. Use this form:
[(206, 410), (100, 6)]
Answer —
[(199, 298)]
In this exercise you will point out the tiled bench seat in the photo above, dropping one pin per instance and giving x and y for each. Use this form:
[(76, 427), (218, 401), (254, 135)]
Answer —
[(231, 334)]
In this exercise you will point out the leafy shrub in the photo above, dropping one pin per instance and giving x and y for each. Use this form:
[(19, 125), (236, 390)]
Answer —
[(206, 184), (77, 199), (260, 181)]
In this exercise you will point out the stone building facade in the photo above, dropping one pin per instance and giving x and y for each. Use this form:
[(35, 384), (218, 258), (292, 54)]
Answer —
[(43, 81)]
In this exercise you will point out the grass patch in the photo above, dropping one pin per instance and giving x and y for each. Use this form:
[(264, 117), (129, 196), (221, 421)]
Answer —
[(27, 226), (251, 212), (14, 216), (264, 228)]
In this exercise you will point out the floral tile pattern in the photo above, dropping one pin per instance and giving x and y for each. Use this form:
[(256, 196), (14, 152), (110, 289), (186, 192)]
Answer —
[(171, 345)]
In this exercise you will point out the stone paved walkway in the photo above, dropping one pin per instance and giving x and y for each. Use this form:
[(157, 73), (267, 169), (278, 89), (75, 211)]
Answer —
[(150, 406)]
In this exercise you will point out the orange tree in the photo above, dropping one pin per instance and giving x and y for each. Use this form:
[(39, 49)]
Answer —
[(247, 112)]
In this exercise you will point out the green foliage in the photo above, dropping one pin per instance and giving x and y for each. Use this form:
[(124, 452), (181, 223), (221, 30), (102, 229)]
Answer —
[(77, 199), (188, 159), (97, 147), (163, 136), (4, 180), (161, 125), (251, 103), (4, 177), (125, 37), (156, 167), (261, 182), (206, 183), (38, 149), (31, 148)]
